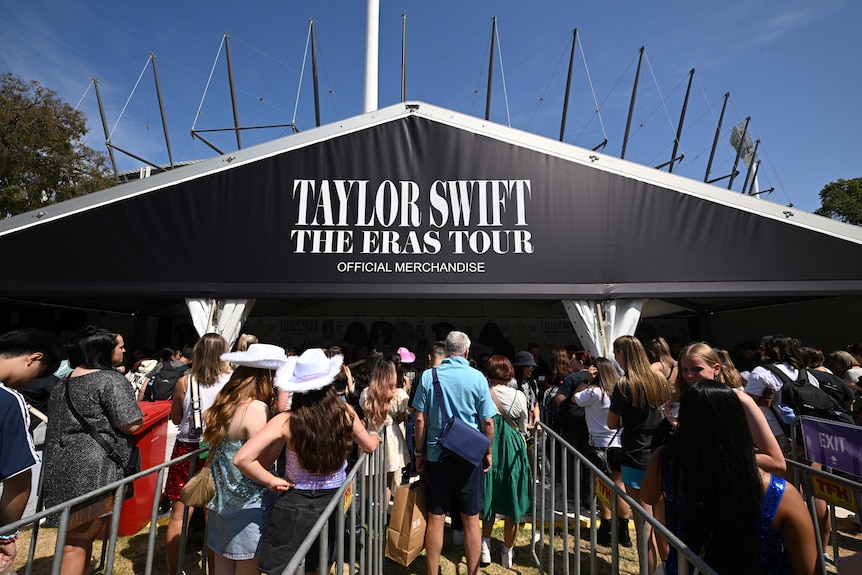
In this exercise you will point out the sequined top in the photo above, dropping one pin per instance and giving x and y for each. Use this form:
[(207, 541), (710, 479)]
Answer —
[(308, 481), (74, 463), (232, 488), (773, 558)]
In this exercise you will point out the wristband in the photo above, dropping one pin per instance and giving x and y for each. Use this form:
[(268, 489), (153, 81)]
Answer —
[(11, 538)]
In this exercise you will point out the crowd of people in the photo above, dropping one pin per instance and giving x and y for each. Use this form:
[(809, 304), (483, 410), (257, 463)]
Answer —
[(683, 432)]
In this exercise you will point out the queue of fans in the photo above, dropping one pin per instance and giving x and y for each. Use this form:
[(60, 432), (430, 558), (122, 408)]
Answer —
[(695, 441)]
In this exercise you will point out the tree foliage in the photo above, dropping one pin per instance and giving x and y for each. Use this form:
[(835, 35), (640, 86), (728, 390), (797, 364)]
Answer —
[(42, 156), (842, 200)]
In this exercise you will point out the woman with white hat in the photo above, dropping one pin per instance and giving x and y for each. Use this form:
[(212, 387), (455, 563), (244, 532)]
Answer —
[(242, 408), (317, 434)]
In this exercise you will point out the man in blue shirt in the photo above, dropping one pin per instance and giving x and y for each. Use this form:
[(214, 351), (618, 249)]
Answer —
[(465, 391)]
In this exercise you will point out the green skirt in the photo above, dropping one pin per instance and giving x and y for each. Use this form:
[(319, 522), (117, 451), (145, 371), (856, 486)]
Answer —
[(509, 483)]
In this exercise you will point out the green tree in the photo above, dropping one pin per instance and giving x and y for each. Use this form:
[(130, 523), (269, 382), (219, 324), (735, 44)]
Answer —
[(842, 201), (43, 159)]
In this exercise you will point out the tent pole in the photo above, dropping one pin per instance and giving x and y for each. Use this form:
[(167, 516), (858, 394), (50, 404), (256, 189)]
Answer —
[(717, 135), (105, 128), (632, 104), (162, 110), (314, 75), (490, 70), (601, 317), (673, 157), (232, 90), (568, 84)]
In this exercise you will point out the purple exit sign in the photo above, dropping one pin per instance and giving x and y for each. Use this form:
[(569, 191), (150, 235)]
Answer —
[(836, 445)]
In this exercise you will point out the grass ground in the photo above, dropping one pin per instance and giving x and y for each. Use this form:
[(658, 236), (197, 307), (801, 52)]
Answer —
[(131, 554)]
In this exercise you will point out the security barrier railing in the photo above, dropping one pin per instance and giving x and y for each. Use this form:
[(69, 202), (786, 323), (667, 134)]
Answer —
[(548, 512), (358, 508), (827, 484)]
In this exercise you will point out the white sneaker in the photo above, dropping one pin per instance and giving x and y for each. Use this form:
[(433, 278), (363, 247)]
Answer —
[(485, 557), (506, 558), (458, 536)]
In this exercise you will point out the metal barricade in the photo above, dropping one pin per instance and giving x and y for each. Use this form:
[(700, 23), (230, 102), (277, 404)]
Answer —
[(116, 489), (829, 483), (359, 509), (547, 512)]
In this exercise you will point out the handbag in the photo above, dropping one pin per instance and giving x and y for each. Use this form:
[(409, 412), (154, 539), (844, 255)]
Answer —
[(200, 489), (459, 438), (129, 467)]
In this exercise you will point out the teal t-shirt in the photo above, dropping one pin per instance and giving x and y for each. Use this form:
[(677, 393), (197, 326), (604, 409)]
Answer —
[(467, 397)]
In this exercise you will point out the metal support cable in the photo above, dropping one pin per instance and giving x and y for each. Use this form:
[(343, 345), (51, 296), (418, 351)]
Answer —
[(209, 81), (301, 74), (135, 87), (503, 78), (592, 90)]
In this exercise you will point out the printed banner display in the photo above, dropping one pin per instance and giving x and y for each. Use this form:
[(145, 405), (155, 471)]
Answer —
[(835, 445)]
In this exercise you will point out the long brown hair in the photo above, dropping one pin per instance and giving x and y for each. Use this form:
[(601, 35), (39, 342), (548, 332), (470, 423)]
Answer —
[(245, 384), (380, 391), (641, 384), (321, 430), (207, 366), (659, 351), (561, 364), (607, 376)]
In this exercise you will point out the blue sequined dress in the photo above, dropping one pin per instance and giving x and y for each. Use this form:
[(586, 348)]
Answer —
[(773, 558)]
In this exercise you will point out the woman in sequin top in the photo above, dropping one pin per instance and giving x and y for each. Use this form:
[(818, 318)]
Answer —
[(237, 512), (75, 464), (738, 518), (317, 435)]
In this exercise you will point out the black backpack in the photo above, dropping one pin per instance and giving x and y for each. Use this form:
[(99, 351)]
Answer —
[(163, 382), (807, 399)]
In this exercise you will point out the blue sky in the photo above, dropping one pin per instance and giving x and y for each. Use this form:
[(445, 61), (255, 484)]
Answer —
[(792, 65)]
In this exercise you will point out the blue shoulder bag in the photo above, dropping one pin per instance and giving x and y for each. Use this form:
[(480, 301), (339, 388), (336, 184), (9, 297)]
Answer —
[(459, 438)]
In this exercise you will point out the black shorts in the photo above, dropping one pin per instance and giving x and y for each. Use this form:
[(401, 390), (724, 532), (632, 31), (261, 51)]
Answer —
[(294, 514), (452, 478)]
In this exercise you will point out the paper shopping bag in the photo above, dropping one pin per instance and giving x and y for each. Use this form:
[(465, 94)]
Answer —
[(405, 538)]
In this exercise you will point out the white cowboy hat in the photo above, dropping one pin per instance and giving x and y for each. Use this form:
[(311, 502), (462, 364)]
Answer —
[(309, 371), (259, 355)]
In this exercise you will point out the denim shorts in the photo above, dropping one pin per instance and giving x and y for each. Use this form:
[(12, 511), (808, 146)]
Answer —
[(452, 478), (235, 533)]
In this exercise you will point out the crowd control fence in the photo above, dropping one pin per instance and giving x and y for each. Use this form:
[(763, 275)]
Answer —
[(357, 508), (556, 513)]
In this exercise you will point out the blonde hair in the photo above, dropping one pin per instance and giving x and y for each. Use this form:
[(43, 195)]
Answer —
[(641, 384), (842, 361), (729, 374)]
